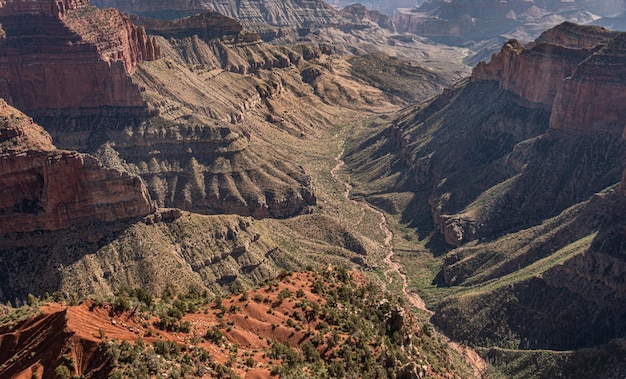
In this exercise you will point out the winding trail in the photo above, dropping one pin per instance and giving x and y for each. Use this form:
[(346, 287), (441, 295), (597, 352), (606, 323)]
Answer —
[(413, 298), (478, 364)]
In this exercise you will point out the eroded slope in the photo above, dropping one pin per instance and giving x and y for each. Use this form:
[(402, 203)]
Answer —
[(509, 166)]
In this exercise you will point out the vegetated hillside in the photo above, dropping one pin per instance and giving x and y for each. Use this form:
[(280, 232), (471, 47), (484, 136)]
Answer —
[(325, 324), (522, 179), (485, 25)]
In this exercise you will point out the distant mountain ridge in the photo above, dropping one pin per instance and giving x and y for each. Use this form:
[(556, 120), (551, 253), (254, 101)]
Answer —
[(484, 25)]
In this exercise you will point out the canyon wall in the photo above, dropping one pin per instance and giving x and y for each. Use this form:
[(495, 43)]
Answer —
[(160, 9), (564, 71), (206, 25), (69, 57), (42, 188)]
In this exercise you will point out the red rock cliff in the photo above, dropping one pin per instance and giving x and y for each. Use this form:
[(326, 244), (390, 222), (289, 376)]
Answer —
[(575, 72), (533, 74), (58, 55), (592, 98), (42, 188)]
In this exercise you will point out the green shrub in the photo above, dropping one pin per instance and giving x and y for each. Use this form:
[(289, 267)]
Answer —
[(63, 372)]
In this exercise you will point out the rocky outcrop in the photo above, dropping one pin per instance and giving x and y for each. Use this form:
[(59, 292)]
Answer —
[(563, 71), (574, 36), (47, 189), (77, 60), (359, 12), (535, 75), (206, 25), (157, 9), (578, 105)]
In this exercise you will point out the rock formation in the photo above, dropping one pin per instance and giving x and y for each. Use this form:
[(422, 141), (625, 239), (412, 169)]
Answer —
[(562, 71), (386, 6), (48, 48), (48, 189), (156, 9), (206, 25), (359, 12)]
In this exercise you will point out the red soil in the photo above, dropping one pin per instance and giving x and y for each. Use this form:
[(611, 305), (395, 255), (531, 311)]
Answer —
[(39, 343)]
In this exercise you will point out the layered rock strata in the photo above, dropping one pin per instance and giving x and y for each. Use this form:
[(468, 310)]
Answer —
[(205, 25), (157, 9), (43, 188), (69, 57), (562, 71), (503, 167), (359, 12)]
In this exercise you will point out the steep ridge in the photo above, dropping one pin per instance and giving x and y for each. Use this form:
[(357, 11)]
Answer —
[(199, 153), (522, 178), (48, 189)]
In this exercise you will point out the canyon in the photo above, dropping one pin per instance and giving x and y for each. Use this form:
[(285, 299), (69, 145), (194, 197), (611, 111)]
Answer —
[(524, 183), (200, 113), (198, 155)]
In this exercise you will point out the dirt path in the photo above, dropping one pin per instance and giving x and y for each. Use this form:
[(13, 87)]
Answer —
[(478, 364), (413, 298)]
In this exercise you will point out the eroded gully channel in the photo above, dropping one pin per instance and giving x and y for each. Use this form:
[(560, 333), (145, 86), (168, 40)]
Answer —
[(477, 363)]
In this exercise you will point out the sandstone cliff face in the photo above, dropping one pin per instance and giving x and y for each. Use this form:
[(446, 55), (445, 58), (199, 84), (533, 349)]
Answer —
[(563, 71), (578, 106), (47, 189), (45, 53), (535, 75)]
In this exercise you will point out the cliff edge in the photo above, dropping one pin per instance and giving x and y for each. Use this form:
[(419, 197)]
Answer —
[(43, 188)]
